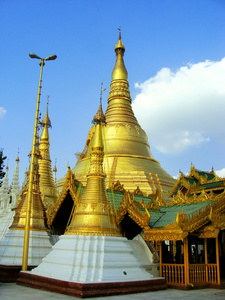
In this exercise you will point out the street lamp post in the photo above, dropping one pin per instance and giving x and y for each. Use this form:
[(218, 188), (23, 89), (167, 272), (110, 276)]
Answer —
[(30, 187)]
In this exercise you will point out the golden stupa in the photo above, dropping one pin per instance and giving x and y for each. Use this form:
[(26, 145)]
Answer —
[(127, 152), (48, 189), (38, 218), (94, 214)]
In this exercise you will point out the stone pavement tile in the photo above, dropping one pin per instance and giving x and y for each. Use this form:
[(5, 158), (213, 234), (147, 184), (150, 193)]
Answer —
[(9, 291), (172, 294)]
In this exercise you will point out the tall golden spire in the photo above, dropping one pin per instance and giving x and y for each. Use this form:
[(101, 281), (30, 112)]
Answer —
[(131, 139), (127, 152), (94, 214), (47, 185)]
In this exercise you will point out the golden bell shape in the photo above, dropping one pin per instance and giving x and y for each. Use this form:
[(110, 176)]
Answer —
[(127, 152)]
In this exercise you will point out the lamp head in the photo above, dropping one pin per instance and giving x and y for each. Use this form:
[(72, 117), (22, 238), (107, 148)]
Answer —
[(51, 57), (32, 55)]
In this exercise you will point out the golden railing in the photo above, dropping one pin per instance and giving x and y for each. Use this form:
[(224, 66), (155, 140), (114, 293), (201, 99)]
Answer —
[(174, 273), (198, 273), (201, 273), (212, 273)]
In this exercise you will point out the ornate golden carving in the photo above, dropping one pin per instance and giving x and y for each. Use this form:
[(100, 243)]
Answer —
[(217, 217), (194, 221), (157, 200), (171, 232), (141, 218), (122, 209), (181, 198), (69, 186), (138, 192), (208, 232), (117, 187)]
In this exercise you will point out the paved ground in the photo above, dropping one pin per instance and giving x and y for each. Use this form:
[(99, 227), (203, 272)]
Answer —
[(9, 291)]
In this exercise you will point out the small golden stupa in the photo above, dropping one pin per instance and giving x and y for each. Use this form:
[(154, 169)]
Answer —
[(40, 243), (48, 189), (38, 218), (94, 214)]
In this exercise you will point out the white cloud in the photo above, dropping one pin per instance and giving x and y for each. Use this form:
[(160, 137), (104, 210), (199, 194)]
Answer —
[(221, 173), (183, 109), (2, 112)]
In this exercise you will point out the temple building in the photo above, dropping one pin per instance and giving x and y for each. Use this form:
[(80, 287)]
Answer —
[(125, 224)]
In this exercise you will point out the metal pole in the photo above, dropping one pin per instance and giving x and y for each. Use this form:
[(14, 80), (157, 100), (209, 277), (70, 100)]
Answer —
[(27, 226)]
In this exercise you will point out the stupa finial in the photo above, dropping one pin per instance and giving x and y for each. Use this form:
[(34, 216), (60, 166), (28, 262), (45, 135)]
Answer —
[(119, 32), (119, 44), (102, 90), (17, 159), (46, 120), (99, 117), (119, 71)]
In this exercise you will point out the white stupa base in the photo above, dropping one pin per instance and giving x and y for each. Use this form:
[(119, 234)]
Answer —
[(82, 258), (6, 219), (88, 266), (11, 247)]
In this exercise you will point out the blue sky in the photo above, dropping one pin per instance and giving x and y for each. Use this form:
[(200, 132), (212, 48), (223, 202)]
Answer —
[(174, 57)]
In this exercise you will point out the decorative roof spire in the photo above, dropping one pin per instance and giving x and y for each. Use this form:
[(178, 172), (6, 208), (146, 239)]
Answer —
[(94, 214), (47, 184), (46, 120), (15, 191), (99, 116), (119, 71)]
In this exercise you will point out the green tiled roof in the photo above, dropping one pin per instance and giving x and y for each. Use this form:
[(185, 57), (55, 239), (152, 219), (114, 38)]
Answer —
[(212, 185), (168, 213), (115, 197), (210, 176), (155, 217), (191, 180), (145, 199)]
